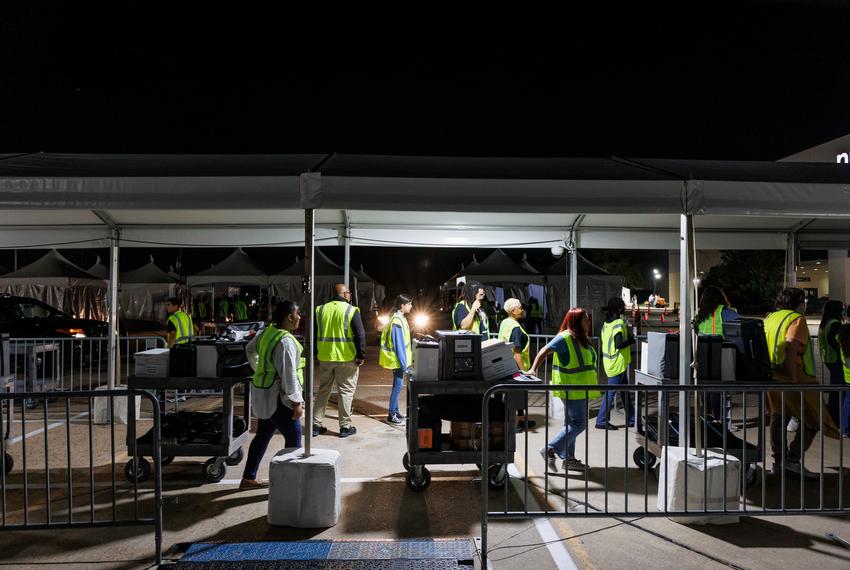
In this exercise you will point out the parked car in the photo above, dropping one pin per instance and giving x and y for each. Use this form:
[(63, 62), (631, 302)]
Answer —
[(24, 317)]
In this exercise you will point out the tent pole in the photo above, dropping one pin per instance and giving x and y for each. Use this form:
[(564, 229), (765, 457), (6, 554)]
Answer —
[(347, 241), (309, 274), (573, 275), (791, 260), (113, 310), (685, 328)]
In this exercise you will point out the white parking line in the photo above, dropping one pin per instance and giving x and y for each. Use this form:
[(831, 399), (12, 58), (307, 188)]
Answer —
[(49, 427)]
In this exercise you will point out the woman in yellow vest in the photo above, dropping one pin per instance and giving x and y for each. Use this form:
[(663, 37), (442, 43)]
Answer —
[(575, 363), (511, 331), (844, 349), (397, 352), (276, 395), (469, 314), (713, 311), (616, 357), (830, 352)]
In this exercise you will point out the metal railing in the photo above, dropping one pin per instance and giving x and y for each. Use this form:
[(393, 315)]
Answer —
[(64, 363), (83, 490), (610, 487)]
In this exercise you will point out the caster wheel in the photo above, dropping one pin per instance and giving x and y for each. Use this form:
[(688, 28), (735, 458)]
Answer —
[(137, 470), (8, 463), (405, 461), (420, 483), (166, 460), (235, 458), (643, 458), (214, 470), (497, 476)]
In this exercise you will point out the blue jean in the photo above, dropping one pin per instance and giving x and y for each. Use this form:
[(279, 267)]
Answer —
[(281, 421), (575, 422), (608, 401), (398, 384)]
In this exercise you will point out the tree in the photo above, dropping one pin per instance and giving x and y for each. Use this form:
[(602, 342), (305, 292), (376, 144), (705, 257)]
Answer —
[(751, 279)]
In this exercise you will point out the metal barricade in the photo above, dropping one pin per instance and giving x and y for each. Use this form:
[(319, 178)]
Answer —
[(83, 490), (64, 363), (610, 487)]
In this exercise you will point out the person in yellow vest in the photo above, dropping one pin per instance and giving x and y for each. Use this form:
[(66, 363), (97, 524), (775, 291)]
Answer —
[(240, 310), (575, 364), (179, 325), (616, 357), (223, 310), (201, 310), (276, 387), (535, 316), (469, 315), (830, 352), (844, 350), (341, 348), (713, 311), (511, 331), (792, 360), (397, 352)]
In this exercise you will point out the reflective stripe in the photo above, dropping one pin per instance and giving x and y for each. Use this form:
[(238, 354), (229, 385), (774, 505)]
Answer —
[(333, 339), (183, 327)]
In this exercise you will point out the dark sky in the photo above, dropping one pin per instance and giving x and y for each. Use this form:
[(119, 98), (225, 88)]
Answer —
[(737, 80)]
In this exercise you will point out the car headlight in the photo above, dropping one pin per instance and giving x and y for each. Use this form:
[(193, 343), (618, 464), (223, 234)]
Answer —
[(383, 319), (420, 320)]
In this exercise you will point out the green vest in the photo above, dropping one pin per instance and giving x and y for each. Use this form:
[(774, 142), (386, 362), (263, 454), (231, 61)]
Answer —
[(845, 364), (615, 360), (476, 322), (223, 308), (202, 310), (537, 311), (506, 329), (388, 358), (241, 310), (183, 328), (580, 370), (713, 325), (828, 355), (334, 337), (265, 373), (776, 326)]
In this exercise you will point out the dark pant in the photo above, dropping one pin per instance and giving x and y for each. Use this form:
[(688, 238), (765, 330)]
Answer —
[(800, 441), (608, 401), (281, 421), (836, 377)]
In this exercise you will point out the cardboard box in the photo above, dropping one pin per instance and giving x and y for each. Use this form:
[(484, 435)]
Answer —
[(497, 360), (466, 436), (152, 363)]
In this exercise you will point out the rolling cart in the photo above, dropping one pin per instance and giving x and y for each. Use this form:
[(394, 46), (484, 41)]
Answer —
[(415, 459), (202, 439)]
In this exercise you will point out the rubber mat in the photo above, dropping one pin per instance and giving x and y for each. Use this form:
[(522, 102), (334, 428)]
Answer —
[(327, 565)]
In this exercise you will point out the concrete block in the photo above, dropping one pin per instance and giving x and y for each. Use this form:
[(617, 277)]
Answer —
[(671, 484), (305, 492), (119, 408)]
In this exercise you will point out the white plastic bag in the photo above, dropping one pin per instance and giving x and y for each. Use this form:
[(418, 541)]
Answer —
[(556, 408)]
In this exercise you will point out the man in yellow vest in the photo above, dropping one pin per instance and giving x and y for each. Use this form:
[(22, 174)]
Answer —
[(793, 362), (341, 349), (179, 325), (276, 387), (240, 310)]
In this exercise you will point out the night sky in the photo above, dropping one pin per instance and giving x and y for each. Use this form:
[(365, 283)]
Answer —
[(738, 80)]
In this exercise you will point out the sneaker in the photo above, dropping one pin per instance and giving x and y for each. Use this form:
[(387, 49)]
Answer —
[(253, 484), (776, 469), (347, 431), (845, 435), (319, 430), (574, 464), (549, 457), (520, 425), (395, 419), (800, 469), (793, 424), (609, 427)]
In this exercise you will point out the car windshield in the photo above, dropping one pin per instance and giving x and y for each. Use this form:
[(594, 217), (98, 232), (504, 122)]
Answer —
[(36, 310)]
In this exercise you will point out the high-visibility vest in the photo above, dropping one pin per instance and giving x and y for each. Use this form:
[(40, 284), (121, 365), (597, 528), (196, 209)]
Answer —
[(388, 357), (776, 326), (268, 340), (183, 327), (845, 364), (476, 322), (615, 360), (580, 370), (536, 311), (506, 329), (240, 310), (714, 324), (828, 355), (202, 310), (334, 336), (223, 307)]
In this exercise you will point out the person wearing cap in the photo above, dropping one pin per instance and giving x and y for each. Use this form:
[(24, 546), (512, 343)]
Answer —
[(616, 357), (511, 331), (179, 325)]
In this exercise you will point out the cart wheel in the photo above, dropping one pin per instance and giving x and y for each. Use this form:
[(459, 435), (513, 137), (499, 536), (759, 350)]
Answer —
[(235, 458), (405, 461), (214, 470), (415, 483), (166, 460), (497, 475), (643, 457), (137, 470), (753, 476), (8, 463)]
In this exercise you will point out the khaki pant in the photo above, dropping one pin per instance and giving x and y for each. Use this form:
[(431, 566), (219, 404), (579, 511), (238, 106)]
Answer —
[(344, 375)]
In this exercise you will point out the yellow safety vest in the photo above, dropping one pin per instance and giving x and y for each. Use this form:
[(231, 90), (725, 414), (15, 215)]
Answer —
[(845, 364), (615, 360), (388, 358), (476, 321), (828, 355), (202, 310), (183, 328), (223, 308), (265, 373), (580, 370), (334, 336), (714, 324), (776, 326), (240, 309), (506, 329)]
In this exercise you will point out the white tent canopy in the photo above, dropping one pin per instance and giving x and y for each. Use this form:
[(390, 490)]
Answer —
[(236, 269), (144, 292)]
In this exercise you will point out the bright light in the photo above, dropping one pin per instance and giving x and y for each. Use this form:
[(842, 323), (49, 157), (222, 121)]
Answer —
[(658, 276), (420, 320), (383, 319)]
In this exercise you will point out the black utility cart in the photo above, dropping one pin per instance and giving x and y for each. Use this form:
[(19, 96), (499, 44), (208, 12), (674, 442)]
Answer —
[(217, 435)]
